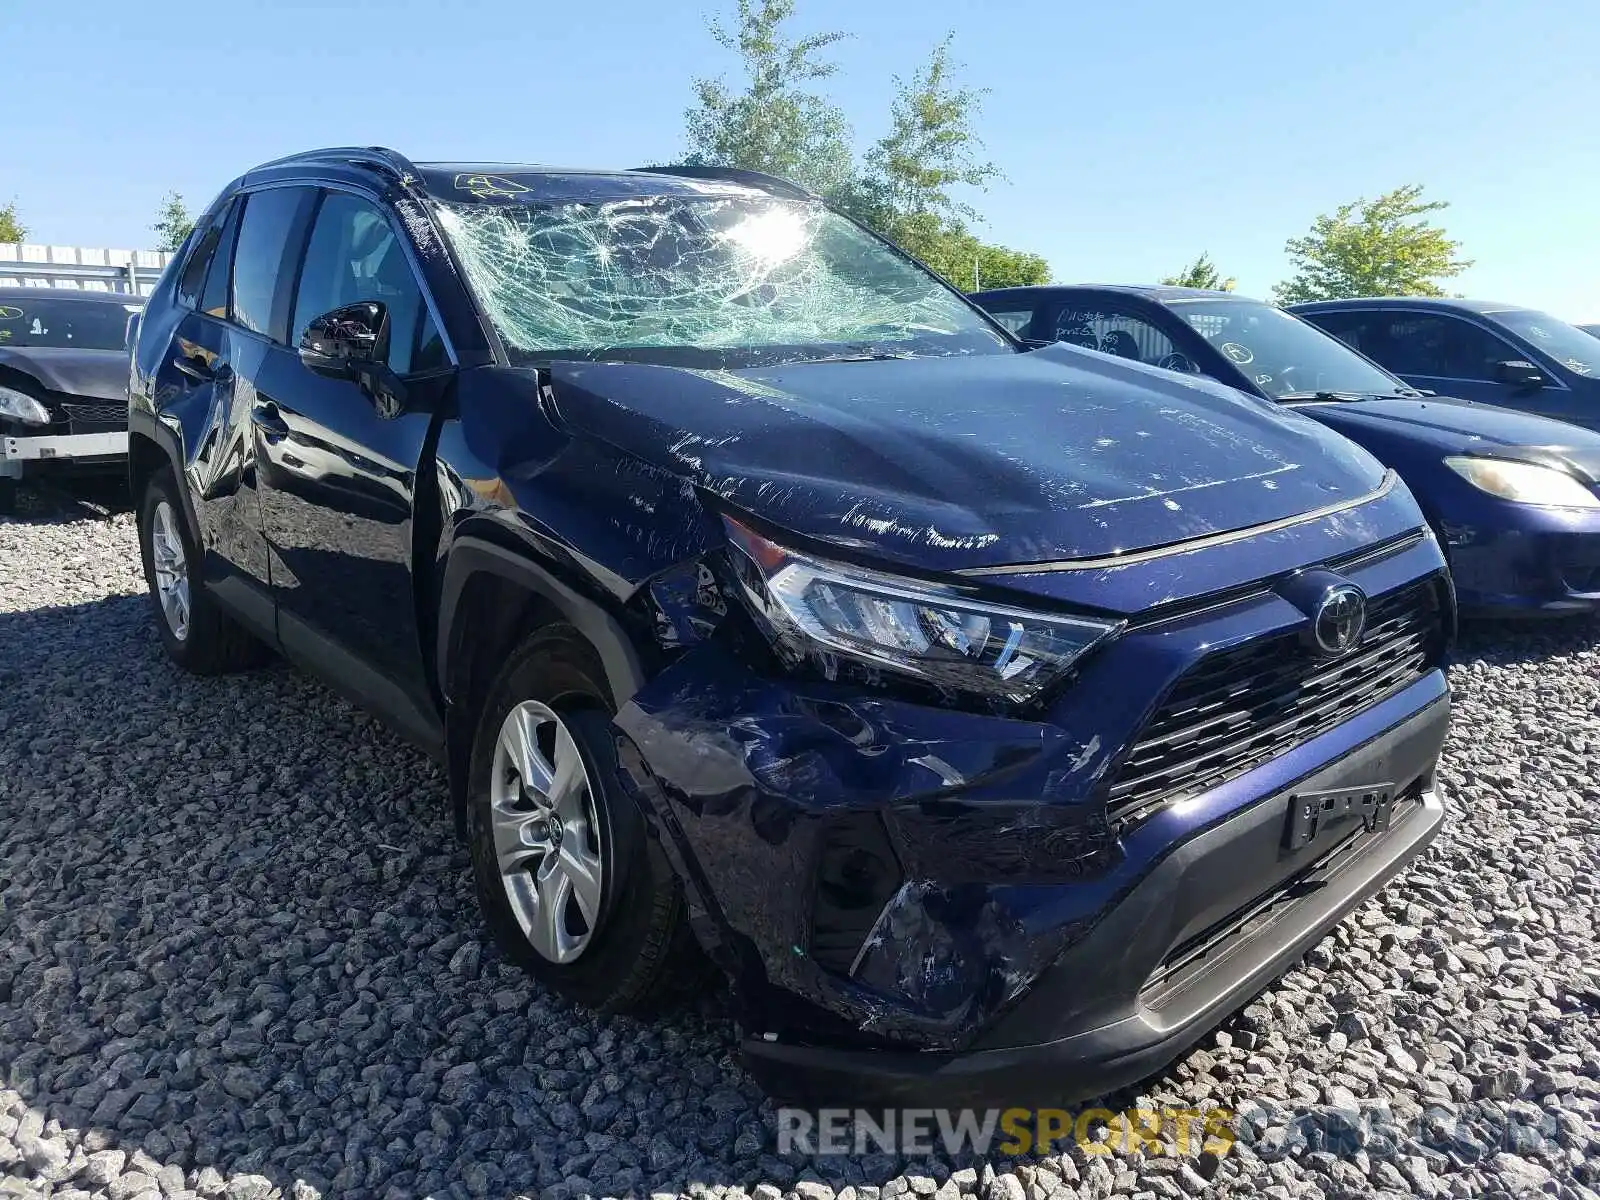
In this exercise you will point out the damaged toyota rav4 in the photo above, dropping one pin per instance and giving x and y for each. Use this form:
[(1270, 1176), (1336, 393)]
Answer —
[(999, 719)]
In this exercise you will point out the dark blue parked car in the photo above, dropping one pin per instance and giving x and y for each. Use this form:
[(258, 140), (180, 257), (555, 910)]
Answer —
[(1494, 353), (1513, 496), (999, 720)]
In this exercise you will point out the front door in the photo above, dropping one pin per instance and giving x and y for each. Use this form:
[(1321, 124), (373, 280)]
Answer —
[(339, 472), (1447, 354)]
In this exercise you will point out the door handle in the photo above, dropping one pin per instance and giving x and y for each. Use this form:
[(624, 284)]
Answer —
[(269, 420), (196, 369)]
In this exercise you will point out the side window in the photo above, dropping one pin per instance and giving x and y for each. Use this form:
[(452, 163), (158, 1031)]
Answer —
[(1443, 347), (430, 355), (1351, 328), (214, 300), (193, 279), (1016, 320), (355, 254), (1122, 334), (270, 219)]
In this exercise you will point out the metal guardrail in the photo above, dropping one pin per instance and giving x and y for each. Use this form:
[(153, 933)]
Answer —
[(129, 272)]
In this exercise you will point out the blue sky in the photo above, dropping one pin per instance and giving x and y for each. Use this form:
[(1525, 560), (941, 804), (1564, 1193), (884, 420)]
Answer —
[(1133, 135)]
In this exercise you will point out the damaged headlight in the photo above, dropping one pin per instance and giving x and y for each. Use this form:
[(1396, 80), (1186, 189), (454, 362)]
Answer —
[(19, 406), (916, 628), (1526, 483)]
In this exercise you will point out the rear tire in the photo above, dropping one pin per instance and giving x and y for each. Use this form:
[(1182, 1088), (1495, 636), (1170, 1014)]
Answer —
[(198, 635), (572, 885)]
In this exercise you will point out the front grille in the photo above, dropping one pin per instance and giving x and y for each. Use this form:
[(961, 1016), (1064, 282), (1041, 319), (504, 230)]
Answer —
[(96, 414), (1238, 708)]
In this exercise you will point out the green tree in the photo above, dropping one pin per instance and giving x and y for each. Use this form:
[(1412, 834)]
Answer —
[(11, 227), (775, 121), (173, 223), (1382, 247), (930, 146), (929, 150), (964, 259), (1202, 273)]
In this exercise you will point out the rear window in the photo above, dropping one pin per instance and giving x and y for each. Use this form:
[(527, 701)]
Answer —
[(67, 324)]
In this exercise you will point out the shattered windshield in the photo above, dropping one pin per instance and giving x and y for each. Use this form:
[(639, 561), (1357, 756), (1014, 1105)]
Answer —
[(702, 281), (1281, 354)]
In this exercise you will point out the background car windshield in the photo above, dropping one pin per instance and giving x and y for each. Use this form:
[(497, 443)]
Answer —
[(702, 281), (78, 324), (1283, 355), (1568, 345)]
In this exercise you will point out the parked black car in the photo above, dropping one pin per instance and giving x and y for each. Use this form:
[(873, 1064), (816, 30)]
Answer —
[(990, 716), (63, 383), (1495, 353)]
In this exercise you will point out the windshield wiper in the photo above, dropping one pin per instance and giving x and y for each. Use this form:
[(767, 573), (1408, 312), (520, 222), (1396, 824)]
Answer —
[(865, 354), (1397, 394)]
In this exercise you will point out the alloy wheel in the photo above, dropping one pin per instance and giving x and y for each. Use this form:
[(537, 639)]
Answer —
[(546, 835), (171, 563)]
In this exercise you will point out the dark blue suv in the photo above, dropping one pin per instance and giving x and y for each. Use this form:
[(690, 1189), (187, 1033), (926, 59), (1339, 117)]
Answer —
[(1493, 353), (997, 719)]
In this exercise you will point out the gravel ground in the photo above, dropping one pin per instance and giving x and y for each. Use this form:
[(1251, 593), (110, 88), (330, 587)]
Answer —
[(239, 957)]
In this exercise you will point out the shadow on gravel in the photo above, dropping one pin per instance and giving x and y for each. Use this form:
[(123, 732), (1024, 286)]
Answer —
[(1508, 642), (71, 499)]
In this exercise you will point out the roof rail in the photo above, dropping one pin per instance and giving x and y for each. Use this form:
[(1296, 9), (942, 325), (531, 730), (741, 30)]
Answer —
[(756, 179), (380, 158)]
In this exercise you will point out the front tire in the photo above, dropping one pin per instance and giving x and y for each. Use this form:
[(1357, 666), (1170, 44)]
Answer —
[(198, 635), (572, 886)]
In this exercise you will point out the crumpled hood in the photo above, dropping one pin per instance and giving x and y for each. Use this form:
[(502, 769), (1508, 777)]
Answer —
[(98, 374), (1453, 426), (950, 463)]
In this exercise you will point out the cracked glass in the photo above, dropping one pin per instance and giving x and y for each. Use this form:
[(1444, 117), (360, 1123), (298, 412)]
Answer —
[(702, 281)]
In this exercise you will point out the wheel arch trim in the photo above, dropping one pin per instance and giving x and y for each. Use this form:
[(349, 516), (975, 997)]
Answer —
[(470, 556)]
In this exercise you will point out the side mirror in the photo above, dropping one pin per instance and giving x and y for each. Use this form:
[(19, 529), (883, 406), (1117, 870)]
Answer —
[(1520, 374), (340, 343)]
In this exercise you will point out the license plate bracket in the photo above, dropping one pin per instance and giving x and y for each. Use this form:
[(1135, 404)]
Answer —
[(1322, 816)]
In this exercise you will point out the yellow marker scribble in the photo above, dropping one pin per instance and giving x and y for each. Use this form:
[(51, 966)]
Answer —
[(7, 313), (485, 186)]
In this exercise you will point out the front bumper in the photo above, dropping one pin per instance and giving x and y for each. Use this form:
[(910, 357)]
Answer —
[(87, 449), (1526, 562), (1160, 968)]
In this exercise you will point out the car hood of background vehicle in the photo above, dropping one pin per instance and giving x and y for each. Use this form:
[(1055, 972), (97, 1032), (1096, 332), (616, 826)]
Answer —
[(100, 374), (1453, 426), (950, 463)]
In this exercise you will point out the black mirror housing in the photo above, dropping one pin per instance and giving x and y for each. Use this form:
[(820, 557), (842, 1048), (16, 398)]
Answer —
[(341, 342), (1519, 373)]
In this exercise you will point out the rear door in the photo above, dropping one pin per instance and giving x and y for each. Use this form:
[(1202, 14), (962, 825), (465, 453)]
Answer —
[(198, 386), (339, 468)]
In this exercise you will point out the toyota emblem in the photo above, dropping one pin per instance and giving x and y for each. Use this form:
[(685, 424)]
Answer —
[(1340, 619)]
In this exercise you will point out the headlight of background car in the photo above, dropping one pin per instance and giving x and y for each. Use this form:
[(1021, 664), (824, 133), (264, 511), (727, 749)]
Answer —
[(1526, 483), (19, 406), (916, 628)]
